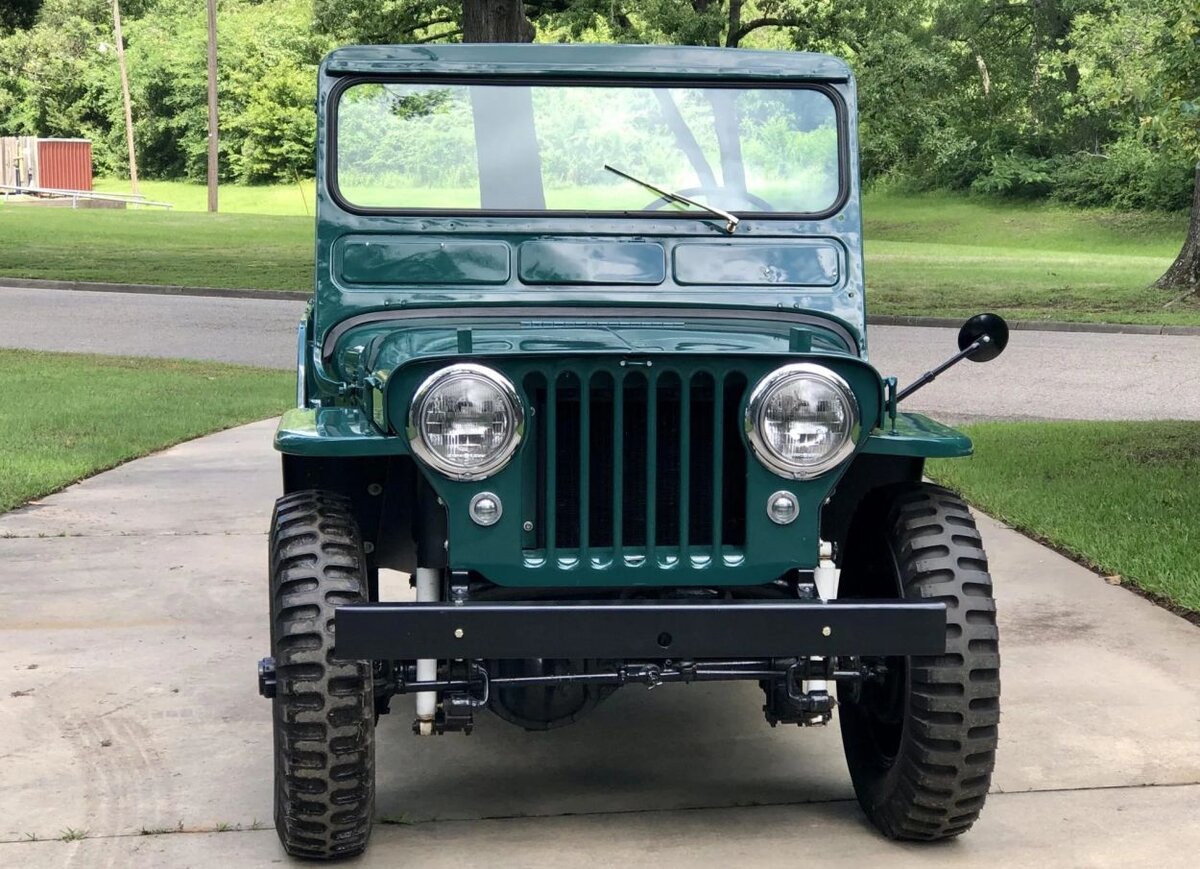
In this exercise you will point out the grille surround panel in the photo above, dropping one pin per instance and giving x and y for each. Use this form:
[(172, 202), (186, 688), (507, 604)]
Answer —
[(752, 550)]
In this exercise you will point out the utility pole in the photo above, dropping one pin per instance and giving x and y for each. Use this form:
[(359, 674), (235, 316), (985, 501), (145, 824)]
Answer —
[(133, 178), (213, 153)]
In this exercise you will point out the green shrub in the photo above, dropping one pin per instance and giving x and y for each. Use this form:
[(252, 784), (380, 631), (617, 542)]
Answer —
[(1129, 175), (1016, 175)]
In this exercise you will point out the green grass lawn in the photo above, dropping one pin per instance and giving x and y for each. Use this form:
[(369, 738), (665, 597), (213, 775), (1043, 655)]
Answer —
[(154, 247), (288, 200), (927, 254), (67, 416), (952, 256), (1123, 497)]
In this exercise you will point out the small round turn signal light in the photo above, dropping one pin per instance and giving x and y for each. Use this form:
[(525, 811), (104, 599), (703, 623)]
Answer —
[(486, 509), (783, 508)]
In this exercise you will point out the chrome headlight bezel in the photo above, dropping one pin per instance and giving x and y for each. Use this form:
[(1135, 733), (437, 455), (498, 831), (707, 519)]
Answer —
[(768, 386), (442, 376)]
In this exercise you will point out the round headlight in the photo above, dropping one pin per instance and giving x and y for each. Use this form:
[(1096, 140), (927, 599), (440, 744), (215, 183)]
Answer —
[(801, 420), (466, 421)]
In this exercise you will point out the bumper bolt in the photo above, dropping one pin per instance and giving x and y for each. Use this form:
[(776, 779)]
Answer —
[(826, 631)]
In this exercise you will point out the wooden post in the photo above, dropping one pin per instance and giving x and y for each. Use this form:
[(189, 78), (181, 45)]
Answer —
[(133, 175), (213, 141)]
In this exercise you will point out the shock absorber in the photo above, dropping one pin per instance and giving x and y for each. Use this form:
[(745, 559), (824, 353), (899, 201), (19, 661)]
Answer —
[(428, 581), (826, 577)]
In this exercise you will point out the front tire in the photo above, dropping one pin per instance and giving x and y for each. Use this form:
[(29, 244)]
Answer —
[(921, 743), (324, 719)]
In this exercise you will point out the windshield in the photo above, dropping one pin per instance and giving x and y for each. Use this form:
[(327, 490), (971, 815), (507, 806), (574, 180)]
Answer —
[(406, 146)]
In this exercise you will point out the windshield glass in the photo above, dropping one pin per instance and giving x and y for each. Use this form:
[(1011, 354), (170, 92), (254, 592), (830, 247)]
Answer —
[(544, 147)]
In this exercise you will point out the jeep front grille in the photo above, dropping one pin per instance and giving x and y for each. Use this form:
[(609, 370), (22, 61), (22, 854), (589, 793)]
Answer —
[(639, 464)]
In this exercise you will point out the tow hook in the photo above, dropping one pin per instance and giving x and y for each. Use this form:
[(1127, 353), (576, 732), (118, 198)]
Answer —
[(266, 677)]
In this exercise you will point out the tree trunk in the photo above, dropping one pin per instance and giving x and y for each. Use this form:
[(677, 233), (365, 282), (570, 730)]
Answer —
[(496, 21), (729, 138), (1184, 273), (684, 139), (733, 33)]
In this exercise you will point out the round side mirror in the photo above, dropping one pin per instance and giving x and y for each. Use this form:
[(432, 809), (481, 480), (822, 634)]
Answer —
[(991, 325)]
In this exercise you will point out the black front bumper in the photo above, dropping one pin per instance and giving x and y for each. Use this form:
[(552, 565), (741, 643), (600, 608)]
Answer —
[(632, 629)]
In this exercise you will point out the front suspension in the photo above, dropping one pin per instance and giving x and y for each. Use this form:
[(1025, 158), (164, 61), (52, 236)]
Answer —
[(467, 685)]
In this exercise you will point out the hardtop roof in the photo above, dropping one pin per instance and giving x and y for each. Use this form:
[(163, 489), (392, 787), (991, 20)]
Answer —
[(584, 61)]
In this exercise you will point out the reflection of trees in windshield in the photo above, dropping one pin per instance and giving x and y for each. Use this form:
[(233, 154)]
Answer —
[(409, 145), (397, 137), (419, 105)]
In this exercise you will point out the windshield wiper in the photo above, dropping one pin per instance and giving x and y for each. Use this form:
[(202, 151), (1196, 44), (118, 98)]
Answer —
[(731, 222)]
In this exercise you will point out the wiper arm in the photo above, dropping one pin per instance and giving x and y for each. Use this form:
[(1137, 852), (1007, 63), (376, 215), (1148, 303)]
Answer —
[(731, 222)]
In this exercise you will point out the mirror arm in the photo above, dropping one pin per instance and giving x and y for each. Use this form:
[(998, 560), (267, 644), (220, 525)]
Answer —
[(929, 376)]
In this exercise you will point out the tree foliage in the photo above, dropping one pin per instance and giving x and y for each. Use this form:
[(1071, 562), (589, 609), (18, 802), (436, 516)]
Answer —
[(1091, 101), (18, 14), (59, 77)]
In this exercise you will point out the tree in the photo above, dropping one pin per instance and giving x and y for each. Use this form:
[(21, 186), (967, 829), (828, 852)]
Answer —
[(388, 21), (728, 23), (1093, 102), (1184, 273), (18, 14), (681, 22), (495, 21), (1179, 120), (59, 79)]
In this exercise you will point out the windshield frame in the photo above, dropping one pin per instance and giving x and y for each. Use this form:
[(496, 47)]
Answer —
[(841, 114)]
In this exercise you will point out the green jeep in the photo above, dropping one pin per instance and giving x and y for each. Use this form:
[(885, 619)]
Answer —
[(587, 360)]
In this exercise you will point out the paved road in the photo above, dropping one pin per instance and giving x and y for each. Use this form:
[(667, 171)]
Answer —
[(133, 617), (248, 331), (1053, 375)]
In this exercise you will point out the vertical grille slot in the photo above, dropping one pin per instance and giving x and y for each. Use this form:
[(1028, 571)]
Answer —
[(703, 477), (633, 445), (640, 465), (668, 448), (566, 461), (601, 459)]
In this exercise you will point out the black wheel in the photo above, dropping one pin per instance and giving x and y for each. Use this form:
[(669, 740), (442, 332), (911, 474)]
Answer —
[(921, 741), (324, 718)]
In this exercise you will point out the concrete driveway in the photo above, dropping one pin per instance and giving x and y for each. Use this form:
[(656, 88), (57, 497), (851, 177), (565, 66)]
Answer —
[(134, 609)]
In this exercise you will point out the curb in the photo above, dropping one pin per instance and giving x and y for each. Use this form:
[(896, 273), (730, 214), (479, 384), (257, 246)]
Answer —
[(1041, 326), (879, 320), (153, 289)]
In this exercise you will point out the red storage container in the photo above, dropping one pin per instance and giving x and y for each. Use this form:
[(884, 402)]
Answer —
[(64, 164)]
